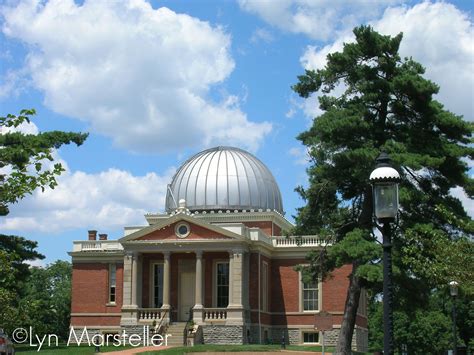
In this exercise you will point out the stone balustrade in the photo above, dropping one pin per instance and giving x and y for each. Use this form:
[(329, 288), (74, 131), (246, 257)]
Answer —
[(150, 314), (97, 246), (298, 241), (213, 314)]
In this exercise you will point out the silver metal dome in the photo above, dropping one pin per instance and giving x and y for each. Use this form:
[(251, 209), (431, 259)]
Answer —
[(224, 178)]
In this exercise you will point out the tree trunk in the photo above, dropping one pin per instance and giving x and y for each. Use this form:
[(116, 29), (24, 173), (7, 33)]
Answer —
[(344, 341)]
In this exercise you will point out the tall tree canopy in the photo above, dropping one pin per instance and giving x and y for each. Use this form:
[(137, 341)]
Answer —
[(22, 157), (385, 104)]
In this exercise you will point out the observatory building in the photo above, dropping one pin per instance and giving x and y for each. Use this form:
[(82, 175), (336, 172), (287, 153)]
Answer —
[(217, 267)]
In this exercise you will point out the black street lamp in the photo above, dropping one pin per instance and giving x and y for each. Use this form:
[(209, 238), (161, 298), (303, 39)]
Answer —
[(453, 289), (384, 180)]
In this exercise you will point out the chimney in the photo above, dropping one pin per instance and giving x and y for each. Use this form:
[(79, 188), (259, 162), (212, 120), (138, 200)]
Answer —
[(92, 235), (102, 236)]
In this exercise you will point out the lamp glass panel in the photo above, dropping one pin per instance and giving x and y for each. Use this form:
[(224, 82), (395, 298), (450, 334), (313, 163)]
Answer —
[(386, 200), (454, 289)]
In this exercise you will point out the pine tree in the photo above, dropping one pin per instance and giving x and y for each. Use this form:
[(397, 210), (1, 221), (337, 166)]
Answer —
[(22, 157), (386, 105)]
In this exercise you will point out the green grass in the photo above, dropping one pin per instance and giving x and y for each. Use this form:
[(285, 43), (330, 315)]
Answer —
[(232, 348), (63, 349)]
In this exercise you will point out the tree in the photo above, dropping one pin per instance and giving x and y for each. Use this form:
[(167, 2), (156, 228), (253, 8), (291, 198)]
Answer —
[(24, 154), (15, 252), (426, 329), (18, 250), (22, 158), (46, 305), (387, 105)]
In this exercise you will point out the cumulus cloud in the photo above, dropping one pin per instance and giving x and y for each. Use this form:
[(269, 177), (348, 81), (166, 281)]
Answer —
[(467, 202), (444, 45), (438, 35), (317, 19), (141, 76), (109, 199), (105, 200), (261, 35), (300, 155)]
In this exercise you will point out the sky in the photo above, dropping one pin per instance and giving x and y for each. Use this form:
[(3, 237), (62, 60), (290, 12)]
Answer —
[(156, 82)]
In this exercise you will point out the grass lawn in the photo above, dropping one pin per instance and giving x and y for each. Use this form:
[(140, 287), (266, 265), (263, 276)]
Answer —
[(63, 349), (232, 348)]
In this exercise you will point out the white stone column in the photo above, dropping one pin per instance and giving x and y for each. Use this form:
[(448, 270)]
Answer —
[(166, 280), (231, 278), (235, 310), (198, 295), (127, 279), (134, 280), (129, 308), (198, 308)]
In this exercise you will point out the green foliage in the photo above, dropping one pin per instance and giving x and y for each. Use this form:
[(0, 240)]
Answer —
[(18, 251), (44, 303), (47, 302), (24, 155), (387, 105), (422, 332), (426, 329)]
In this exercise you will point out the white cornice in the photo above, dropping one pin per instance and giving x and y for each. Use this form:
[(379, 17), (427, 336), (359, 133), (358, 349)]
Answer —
[(232, 216), (164, 222)]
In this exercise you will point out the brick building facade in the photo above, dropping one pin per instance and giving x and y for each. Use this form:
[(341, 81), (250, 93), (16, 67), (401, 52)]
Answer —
[(228, 267)]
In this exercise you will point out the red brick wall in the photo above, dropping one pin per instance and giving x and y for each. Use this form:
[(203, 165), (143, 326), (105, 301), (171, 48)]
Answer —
[(335, 290), (254, 288), (90, 292), (285, 288), (167, 233), (78, 321)]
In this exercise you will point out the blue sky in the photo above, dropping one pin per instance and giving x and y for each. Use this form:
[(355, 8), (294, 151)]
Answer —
[(154, 83)]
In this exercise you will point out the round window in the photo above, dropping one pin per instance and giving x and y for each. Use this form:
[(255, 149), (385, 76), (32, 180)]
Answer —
[(182, 230)]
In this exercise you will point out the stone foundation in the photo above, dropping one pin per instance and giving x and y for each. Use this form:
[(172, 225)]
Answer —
[(223, 334), (292, 336), (361, 338)]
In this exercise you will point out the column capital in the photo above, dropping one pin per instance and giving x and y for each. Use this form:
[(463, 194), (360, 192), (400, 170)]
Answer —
[(234, 252), (166, 254), (198, 254)]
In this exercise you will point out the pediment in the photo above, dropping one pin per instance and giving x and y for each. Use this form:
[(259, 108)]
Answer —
[(168, 230)]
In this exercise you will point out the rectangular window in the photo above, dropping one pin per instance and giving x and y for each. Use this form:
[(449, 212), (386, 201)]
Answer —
[(157, 285), (310, 296), (112, 283), (310, 338), (222, 284), (264, 280)]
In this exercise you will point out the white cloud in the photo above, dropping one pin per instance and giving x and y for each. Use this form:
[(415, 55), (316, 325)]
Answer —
[(36, 263), (438, 35), (25, 127), (261, 35), (441, 37), (321, 19), (109, 199), (300, 154), (141, 76), (467, 202)]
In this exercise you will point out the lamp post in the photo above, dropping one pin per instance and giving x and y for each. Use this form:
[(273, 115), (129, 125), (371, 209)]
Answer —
[(384, 180), (453, 289)]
